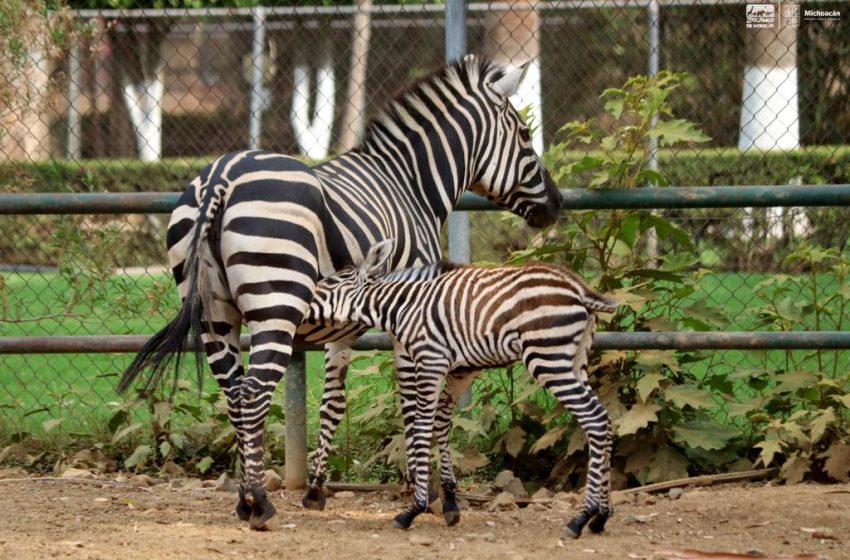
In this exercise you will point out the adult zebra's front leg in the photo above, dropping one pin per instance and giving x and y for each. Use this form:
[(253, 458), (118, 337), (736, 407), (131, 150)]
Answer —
[(337, 358)]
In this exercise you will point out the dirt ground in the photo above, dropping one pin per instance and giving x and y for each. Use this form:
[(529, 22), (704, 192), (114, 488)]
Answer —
[(41, 519)]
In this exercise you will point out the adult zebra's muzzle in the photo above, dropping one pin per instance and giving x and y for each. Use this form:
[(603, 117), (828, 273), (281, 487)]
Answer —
[(545, 214)]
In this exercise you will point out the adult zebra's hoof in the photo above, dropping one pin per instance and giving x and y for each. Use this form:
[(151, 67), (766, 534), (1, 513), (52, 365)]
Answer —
[(262, 510), (452, 516), (314, 498), (243, 508), (597, 524)]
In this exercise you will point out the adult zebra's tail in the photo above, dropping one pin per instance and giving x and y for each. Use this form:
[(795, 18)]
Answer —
[(164, 349)]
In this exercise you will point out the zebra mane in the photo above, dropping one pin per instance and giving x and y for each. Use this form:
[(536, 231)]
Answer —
[(462, 75), (420, 273)]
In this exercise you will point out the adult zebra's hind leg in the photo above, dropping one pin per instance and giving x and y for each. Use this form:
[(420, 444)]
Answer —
[(337, 357)]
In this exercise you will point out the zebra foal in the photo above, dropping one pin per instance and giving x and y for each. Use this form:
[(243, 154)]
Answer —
[(448, 322)]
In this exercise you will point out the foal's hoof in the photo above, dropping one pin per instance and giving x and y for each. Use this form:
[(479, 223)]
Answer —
[(314, 498), (404, 519), (577, 523)]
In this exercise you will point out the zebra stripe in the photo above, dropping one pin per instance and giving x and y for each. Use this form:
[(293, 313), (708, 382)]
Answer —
[(449, 322), (255, 231)]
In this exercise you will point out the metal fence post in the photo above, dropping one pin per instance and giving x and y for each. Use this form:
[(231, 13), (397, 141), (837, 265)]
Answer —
[(74, 148), (653, 65), (459, 250), (455, 50), (295, 410), (258, 98)]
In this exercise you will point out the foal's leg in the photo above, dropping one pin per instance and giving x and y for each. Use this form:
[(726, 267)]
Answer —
[(337, 357), (455, 387), (428, 382), (554, 368)]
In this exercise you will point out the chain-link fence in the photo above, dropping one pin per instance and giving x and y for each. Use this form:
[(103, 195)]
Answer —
[(148, 97)]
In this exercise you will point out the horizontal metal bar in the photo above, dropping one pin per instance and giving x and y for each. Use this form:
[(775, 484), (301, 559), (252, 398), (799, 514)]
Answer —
[(812, 340), (574, 199)]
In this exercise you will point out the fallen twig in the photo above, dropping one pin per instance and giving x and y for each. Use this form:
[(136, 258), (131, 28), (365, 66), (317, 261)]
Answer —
[(704, 480), (77, 481)]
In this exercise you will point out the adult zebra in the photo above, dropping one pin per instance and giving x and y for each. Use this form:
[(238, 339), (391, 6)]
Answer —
[(448, 322), (255, 231)]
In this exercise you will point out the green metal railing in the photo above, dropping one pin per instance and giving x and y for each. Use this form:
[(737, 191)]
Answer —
[(574, 199)]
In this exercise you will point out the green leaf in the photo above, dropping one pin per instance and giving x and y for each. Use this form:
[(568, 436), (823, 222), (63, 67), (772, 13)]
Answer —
[(179, 440), (704, 434), (666, 229), (821, 423), (204, 464), (164, 449), (653, 360), (791, 381), (468, 425), (668, 464), (578, 440), (49, 425), (548, 439), (629, 227), (121, 434), (769, 449), (654, 178), (470, 459), (614, 106), (691, 395), (676, 130), (837, 464), (139, 456), (794, 469), (647, 384), (514, 441), (639, 416), (843, 399)]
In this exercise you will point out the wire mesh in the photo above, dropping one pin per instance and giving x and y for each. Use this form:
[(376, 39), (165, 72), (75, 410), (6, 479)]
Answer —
[(150, 96)]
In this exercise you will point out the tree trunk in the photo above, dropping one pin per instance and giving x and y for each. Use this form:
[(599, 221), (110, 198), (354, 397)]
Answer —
[(512, 37), (354, 117), (142, 87), (25, 133), (769, 115), (313, 128)]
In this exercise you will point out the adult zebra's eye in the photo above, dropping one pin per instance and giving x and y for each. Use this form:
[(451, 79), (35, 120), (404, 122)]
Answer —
[(525, 134)]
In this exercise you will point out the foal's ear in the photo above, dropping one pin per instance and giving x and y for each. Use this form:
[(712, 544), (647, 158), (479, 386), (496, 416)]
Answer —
[(376, 258)]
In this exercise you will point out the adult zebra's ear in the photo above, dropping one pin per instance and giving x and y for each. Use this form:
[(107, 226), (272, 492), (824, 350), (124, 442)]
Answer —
[(376, 259), (508, 84)]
